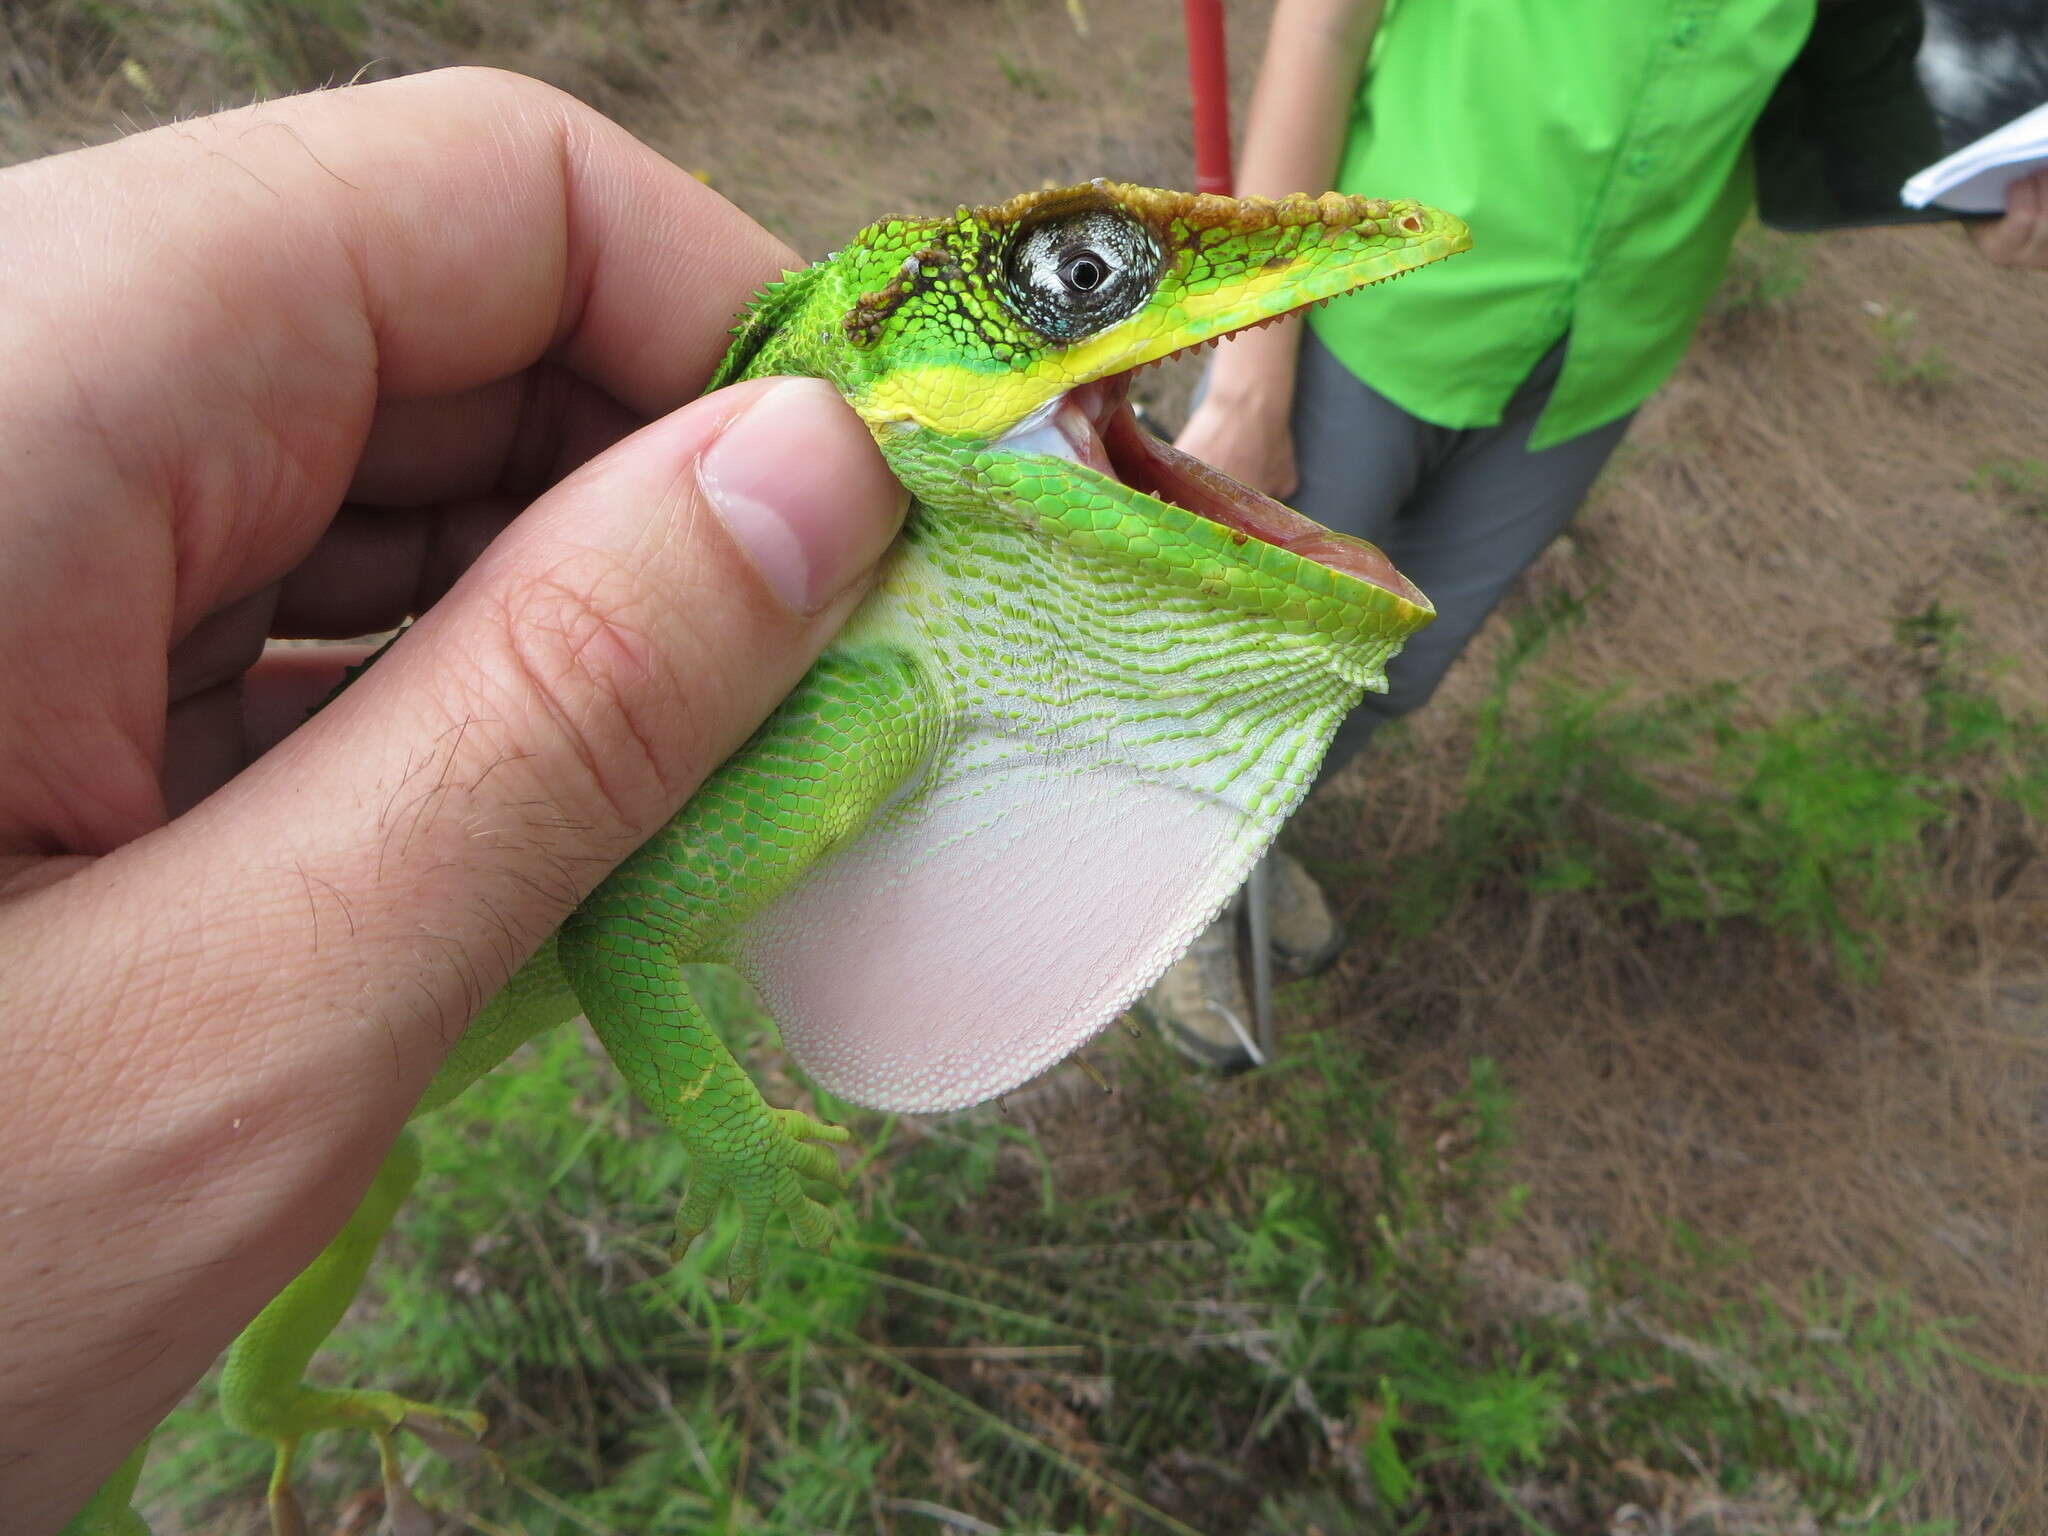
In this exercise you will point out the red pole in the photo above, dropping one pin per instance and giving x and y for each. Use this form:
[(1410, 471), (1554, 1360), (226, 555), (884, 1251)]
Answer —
[(1209, 86)]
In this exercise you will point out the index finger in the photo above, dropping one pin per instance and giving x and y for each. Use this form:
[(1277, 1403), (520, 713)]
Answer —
[(480, 218), (206, 315)]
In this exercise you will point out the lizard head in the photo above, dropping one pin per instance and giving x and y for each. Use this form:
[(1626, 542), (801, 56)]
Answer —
[(971, 325), (1015, 329)]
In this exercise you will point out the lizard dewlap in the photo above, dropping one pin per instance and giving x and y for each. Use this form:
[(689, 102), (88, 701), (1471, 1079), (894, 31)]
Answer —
[(1093, 678)]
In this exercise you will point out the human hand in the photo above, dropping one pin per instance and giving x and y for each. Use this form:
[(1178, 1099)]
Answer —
[(2020, 239), (290, 370), (1249, 441)]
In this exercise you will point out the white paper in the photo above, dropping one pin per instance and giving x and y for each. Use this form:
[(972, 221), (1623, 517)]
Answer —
[(1974, 178)]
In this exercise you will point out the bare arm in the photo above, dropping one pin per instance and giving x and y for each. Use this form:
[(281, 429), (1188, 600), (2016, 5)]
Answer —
[(1294, 137), (2020, 239)]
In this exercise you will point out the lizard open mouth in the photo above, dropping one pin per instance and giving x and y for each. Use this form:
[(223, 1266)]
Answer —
[(1093, 425)]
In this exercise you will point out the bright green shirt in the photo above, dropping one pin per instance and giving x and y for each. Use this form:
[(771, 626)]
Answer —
[(1598, 149)]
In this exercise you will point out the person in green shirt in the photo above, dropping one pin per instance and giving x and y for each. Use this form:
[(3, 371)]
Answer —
[(1601, 155)]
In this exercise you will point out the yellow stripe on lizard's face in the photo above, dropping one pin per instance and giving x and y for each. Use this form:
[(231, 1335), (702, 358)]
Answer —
[(978, 402), (973, 404), (981, 403)]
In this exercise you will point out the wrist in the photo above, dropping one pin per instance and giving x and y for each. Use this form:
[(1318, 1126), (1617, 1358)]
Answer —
[(1261, 396)]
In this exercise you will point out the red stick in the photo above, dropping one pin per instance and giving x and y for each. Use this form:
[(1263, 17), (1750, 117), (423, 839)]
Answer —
[(1209, 86)]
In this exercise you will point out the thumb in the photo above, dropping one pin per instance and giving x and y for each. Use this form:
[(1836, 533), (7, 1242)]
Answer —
[(623, 637)]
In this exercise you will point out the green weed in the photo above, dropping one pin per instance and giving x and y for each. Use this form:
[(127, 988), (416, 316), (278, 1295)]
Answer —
[(1023, 78), (1764, 269), (1313, 1321), (2022, 484), (1824, 824), (1903, 363)]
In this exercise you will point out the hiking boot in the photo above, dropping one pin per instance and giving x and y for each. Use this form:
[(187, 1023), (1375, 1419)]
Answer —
[(1304, 930), (1201, 1006)]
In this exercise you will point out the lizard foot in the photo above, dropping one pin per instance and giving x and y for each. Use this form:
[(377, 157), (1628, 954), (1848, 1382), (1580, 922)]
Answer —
[(790, 1169), (452, 1432)]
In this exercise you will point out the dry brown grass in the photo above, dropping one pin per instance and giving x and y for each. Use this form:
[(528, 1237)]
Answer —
[(1778, 501), (1774, 511), (1777, 506), (813, 114)]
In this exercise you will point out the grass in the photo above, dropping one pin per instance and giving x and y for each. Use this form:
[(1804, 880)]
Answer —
[(1905, 361), (1765, 270), (1818, 823), (1323, 1324), (2020, 484), (1291, 1295)]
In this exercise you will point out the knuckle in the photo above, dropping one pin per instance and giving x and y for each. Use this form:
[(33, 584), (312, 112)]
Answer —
[(581, 644), (516, 91)]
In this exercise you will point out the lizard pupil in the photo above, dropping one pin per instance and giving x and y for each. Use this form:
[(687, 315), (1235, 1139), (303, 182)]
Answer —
[(1085, 272)]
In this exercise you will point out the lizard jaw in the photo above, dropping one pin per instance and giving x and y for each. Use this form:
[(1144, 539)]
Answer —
[(1093, 425)]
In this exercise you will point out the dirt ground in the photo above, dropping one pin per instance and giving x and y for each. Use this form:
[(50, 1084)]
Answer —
[(1815, 469)]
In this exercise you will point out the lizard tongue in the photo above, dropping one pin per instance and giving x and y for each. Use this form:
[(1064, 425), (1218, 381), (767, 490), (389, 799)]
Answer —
[(1102, 432)]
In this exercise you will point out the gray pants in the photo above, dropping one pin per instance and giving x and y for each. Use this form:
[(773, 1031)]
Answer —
[(1460, 511)]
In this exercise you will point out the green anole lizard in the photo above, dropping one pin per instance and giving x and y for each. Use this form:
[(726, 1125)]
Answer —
[(1093, 678)]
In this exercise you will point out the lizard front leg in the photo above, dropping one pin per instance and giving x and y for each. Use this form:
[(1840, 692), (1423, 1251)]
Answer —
[(857, 729)]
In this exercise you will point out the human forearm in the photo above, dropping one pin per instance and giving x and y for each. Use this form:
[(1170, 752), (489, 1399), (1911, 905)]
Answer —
[(1294, 138), (1301, 102)]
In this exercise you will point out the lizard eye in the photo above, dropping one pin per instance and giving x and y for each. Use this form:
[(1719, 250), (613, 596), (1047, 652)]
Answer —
[(1078, 272)]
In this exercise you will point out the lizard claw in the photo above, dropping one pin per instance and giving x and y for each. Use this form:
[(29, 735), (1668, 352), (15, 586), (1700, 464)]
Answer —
[(287, 1517), (790, 1172), (449, 1432)]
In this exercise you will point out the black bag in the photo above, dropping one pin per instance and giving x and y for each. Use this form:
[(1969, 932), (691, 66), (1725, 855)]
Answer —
[(1849, 123)]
